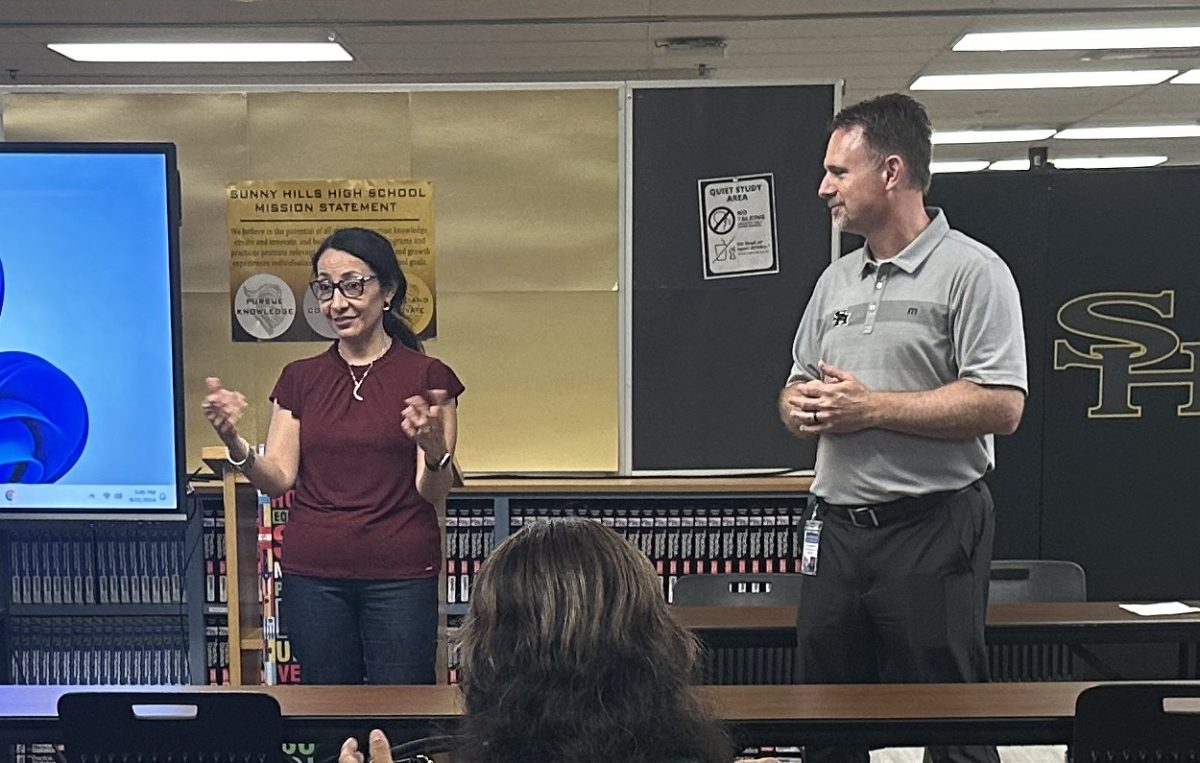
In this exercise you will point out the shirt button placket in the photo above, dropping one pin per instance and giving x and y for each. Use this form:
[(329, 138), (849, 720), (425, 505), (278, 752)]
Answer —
[(873, 307)]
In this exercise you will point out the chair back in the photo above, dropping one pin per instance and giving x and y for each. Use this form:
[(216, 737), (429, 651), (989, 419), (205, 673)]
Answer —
[(737, 663), (1137, 722), (773, 590), (1031, 580), (1018, 580), (225, 727)]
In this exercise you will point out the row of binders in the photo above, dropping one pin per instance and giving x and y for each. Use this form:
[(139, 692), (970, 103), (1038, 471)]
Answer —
[(684, 539), (470, 535), (692, 539), (213, 541), (216, 649), (105, 564), (36, 752), (216, 581), (89, 651), (453, 658)]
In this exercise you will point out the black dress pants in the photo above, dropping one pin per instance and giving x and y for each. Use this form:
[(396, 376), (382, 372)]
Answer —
[(901, 602)]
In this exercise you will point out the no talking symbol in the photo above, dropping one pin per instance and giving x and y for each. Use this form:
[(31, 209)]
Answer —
[(720, 220)]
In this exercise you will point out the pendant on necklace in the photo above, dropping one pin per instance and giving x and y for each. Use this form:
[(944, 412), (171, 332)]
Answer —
[(359, 382)]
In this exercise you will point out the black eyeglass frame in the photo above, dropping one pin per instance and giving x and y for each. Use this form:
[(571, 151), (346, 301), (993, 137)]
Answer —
[(362, 281)]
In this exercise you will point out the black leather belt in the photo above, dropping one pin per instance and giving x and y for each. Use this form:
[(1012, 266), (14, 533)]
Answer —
[(880, 514)]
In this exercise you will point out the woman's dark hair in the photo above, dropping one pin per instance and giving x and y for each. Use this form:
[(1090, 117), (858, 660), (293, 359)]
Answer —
[(570, 653), (374, 249)]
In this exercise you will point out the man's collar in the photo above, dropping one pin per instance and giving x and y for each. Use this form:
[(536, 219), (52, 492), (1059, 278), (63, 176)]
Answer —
[(911, 256)]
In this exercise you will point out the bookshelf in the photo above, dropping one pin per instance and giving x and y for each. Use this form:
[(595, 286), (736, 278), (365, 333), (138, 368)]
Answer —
[(684, 525), (499, 503), (87, 601), (244, 634)]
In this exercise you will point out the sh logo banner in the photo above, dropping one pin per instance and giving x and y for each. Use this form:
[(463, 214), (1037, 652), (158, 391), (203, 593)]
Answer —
[(1124, 339)]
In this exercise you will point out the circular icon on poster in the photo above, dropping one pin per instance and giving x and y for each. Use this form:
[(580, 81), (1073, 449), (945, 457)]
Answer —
[(418, 304), (265, 306), (721, 220), (316, 321)]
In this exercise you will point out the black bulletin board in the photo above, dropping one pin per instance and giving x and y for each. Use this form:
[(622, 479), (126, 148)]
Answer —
[(710, 356), (1112, 489)]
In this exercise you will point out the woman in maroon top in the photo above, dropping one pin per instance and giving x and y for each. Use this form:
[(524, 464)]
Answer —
[(364, 432)]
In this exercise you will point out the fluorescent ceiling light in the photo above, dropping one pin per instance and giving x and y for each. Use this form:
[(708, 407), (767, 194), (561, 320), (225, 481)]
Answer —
[(967, 165), (1009, 164), (1034, 80), (1083, 39), (1084, 162), (202, 52), (1101, 162), (1190, 77), (1132, 131), (990, 136)]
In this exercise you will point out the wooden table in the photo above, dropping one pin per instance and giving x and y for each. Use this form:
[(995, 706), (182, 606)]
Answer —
[(1073, 623), (876, 715)]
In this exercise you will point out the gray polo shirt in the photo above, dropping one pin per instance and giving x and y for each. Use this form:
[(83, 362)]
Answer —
[(944, 308)]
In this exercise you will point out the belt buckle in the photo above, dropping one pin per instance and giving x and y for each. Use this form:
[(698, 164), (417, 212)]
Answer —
[(863, 511)]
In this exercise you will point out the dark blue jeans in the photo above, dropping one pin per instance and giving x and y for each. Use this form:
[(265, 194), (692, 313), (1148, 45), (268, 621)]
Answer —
[(356, 631)]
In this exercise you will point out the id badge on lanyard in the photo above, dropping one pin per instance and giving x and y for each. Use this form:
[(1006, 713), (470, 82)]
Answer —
[(811, 546)]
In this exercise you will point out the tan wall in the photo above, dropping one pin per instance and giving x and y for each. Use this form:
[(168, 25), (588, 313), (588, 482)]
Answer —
[(527, 218)]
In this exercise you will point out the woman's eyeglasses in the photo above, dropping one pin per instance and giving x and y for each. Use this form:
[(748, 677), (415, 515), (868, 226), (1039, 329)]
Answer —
[(351, 288)]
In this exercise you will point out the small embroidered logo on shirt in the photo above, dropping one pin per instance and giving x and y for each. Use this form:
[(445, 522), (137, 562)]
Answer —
[(841, 317)]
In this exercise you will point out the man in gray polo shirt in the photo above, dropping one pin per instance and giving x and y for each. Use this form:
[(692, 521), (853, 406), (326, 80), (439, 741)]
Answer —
[(909, 357)]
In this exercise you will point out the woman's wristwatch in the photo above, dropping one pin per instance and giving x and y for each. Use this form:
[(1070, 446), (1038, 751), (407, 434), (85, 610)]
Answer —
[(441, 463)]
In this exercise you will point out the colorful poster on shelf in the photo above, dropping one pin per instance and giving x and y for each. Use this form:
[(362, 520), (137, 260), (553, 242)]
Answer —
[(280, 665), (275, 226)]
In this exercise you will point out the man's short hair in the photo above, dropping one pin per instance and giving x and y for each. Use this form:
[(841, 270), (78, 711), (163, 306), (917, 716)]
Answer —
[(894, 124)]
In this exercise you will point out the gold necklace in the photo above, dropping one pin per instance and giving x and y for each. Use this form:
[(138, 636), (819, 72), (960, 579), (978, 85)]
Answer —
[(359, 382)]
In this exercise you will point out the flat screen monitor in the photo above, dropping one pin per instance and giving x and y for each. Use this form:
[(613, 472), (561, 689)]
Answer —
[(90, 371)]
